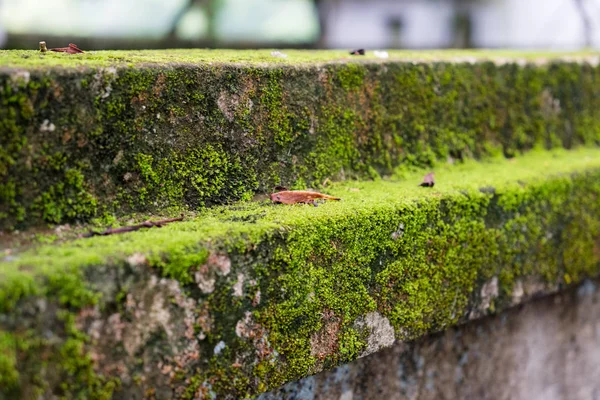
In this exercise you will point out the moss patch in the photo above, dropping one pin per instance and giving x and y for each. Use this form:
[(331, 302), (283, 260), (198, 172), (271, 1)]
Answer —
[(247, 297), (146, 131), (9, 376), (34, 59)]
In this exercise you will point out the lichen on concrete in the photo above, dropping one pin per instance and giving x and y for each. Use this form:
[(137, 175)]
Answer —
[(380, 331)]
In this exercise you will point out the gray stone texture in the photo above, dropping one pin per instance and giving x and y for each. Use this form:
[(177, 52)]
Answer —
[(547, 349)]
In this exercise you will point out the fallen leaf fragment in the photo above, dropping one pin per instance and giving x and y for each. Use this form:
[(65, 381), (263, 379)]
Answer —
[(358, 52), (299, 196), (72, 49), (428, 180)]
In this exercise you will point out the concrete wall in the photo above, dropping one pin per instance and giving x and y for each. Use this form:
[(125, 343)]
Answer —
[(547, 349)]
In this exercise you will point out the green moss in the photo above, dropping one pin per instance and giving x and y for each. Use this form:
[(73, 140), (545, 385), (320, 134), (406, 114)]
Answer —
[(352, 343), (190, 129), (31, 59), (193, 178), (417, 256), (276, 112), (56, 362), (77, 368), (220, 222), (8, 195), (9, 376), (13, 112), (350, 76), (66, 200), (113, 139), (177, 262)]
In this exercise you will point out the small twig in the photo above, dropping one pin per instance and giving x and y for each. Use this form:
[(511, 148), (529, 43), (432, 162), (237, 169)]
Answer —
[(132, 228)]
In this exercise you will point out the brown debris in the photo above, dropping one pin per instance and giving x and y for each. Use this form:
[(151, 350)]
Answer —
[(358, 52), (299, 196), (132, 228), (72, 49), (428, 180), (325, 342)]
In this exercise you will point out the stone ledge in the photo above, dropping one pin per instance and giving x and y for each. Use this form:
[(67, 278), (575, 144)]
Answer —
[(106, 133), (26, 59), (248, 297)]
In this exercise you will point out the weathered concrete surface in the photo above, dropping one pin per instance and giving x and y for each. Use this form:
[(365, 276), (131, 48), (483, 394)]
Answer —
[(247, 298), (547, 349), (105, 134), (238, 300)]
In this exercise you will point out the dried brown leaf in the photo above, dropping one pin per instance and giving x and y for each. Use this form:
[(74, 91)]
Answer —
[(299, 196), (72, 49), (358, 52)]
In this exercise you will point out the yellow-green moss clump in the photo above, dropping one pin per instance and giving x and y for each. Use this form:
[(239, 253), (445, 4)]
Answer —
[(246, 297), (34, 59), (104, 133)]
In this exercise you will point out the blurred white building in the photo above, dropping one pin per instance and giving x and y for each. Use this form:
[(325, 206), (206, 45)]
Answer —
[(535, 23), (489, 23), (290, 21), (348, 23)]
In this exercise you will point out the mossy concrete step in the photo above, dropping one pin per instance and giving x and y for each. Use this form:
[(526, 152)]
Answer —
[(247, 297), (103, 133)]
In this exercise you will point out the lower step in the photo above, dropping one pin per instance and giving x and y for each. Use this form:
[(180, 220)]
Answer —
[(244, 299)]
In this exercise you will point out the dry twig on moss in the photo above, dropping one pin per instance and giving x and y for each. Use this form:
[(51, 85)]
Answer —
[(132, 228)]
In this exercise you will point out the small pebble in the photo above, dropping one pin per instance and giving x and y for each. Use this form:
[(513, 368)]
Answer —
[(219, 347), (278, 54)]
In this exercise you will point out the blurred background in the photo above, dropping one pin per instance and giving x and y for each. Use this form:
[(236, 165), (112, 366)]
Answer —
[(133, 24)]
